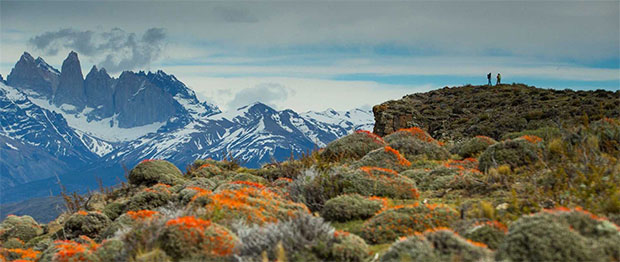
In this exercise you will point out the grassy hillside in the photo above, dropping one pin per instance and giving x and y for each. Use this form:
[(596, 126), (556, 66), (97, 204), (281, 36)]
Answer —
[(547, 194), (457, 112)]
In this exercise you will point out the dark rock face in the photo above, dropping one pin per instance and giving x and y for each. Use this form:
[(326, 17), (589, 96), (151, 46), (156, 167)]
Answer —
[(99, 93), (34, 75), (71, 85), (139, 102), (458, 112)]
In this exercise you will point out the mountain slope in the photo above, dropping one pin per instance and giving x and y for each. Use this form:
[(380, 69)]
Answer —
[(39, 142)]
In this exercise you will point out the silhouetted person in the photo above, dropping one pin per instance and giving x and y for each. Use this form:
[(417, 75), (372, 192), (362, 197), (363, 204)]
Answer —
[(499, 79), (489, 78)]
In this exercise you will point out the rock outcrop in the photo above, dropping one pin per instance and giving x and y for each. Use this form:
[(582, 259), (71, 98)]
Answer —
[(31, 74), (71, 84)]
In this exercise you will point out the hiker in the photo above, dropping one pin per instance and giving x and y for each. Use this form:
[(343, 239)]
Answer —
[(499, 79), (489, 78)]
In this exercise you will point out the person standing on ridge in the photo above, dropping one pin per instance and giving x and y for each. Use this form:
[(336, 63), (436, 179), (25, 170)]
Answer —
[(489, 78), (499, 79)]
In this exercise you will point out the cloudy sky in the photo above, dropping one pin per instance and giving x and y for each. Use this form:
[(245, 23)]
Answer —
[(315, 55)]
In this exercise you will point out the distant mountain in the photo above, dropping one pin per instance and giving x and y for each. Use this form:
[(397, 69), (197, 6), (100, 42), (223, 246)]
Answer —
[(36, 143), (112, 123)]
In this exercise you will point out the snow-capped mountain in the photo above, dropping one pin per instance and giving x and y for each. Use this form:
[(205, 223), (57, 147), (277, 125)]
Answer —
[(27, 128), (355, 119), (107, 124)]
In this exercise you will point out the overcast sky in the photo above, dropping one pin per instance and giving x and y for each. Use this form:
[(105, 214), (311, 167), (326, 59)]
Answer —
[(315, 55)]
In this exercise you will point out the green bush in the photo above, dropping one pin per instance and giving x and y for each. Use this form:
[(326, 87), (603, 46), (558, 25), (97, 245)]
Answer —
[(385, 157), (23, 228), (151, 172), (150, 198), (405, 220), (443, 177), (413, 148), (515, 152), (439, 244), (111, 250), (89, 224), (491, 234), (114, 209), (414, 248), (561, 235), (473, 146), (350, 207), (315, 188), (450, 247), (353, 146), (303, 238)]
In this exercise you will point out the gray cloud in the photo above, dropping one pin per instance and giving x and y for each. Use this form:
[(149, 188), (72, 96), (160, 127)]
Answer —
[(266, 93), (117, 50)]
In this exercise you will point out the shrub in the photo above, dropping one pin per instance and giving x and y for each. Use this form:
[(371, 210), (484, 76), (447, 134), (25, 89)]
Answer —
[(304, 238), (385, 157), (449, 246), (413, 248), (18, 254), (561, 234), (71, 251), (451, 175), (89, 224), (473, 146), (350, 207), (201, 182), (404, 220), (608, 133), (23, 228), (516, 153), (546, 133), (151, 172), (150, 198), (190, 237), (111, 250), (206, 170), (251, 204), (353, 146), (287, 169), (114, 209), (414, 144), (195, 195), (315, 188), (490, 233)]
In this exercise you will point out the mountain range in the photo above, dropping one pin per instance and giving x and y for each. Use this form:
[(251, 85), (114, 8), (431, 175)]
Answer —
[(59, 126)]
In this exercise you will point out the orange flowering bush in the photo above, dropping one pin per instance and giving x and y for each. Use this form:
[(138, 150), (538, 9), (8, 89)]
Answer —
[(416, 144), (190, 237), (71, 251), (386, 157), (404, 220), (252, 204), (532, 139), (353, 146), (18, 254), (142, 214), (420, 134)]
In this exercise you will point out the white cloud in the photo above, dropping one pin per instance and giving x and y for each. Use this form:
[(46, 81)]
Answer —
[(303, 94)]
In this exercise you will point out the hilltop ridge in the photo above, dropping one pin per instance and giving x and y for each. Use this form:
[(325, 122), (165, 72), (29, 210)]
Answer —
[(452, 113)]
